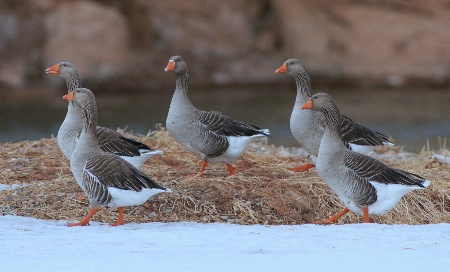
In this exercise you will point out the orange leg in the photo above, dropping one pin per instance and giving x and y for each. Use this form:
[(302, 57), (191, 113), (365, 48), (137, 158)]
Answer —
[(366, 214), (230, 169), (332, 219), (199, 174), (302, 168), (120, 219), (84, 221), (202, 169)]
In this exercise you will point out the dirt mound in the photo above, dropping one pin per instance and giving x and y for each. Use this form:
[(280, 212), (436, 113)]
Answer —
[(263, 191)]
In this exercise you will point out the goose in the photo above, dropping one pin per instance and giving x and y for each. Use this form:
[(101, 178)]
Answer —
[(106, 178), (210, 135), (364, 184), (305, 125), (109, 140)]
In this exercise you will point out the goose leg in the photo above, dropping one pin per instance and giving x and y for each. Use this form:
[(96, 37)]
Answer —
[(332, 219), (202, 169), (302, 168), (366, 214), (120, 219), (199, 174), (230, 169), (84, 221)]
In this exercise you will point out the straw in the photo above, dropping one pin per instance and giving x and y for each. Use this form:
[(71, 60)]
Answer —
[(262, 191)]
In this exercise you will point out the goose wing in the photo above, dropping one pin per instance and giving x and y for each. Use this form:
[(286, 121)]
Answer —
[(371, 169), (113, 142), (108, 170), (224, 125), (355, 133)]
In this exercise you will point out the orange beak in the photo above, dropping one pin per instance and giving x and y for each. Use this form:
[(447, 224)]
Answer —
[(308, 105), (54, 70), (170, 66), (283, 69), (69, 96)]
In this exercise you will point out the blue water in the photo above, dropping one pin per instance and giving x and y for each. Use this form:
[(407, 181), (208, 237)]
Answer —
[(411, 117)]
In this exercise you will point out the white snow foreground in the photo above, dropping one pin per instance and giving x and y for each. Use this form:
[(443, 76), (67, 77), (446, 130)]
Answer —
[(29, 244)]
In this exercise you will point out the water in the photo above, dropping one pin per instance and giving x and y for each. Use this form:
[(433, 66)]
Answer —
[(411, 117)]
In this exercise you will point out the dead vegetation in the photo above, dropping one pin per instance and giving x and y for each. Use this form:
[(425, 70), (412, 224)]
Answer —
[(263, 191)]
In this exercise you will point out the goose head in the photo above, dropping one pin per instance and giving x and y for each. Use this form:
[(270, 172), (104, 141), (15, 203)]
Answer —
[(82, 97), (62, 69), (319, 102), (292, 66), (176, 64)]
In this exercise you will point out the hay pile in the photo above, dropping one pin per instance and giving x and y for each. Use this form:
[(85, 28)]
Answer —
[(261, 192)]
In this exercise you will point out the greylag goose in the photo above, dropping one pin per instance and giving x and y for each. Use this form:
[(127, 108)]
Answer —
[(305, 125), (210, 135), (107, 179), (109, 140), (364, 184)]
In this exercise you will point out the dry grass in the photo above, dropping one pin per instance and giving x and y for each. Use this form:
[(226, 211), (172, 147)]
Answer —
[(261, 192)]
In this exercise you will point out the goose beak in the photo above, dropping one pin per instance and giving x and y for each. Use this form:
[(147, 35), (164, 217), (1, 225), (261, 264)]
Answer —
[(283, 69), (170, 66), (54, 70), (69, 96), (308, 105)]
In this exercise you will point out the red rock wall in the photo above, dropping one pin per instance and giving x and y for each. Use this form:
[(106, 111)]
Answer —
[(126, 44)]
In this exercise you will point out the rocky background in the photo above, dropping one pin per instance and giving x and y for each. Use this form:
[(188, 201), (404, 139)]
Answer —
[(119, 44)]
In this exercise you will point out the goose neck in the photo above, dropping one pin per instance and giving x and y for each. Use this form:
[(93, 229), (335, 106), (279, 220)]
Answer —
[(303, 83), (332, 119), (331, 141), (89, 133), (73, 82), (182, 82), (72, 114)]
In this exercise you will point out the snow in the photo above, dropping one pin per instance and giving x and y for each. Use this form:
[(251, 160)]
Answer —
[(9, 187), (29, 244), (441, 158)]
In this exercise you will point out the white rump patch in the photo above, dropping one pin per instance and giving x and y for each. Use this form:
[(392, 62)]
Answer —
[(366, 149), (138, 161), (389, 195), (235, 149), (121, 198)]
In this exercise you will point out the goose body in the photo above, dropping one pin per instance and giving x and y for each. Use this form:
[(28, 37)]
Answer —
[(307, 126), (107, 179), (210, 135), (109, 140), (364, 184)]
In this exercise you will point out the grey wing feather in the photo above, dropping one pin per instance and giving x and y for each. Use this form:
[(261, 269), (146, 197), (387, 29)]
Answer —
[(217, 127), (355, 133), (112, 171), (95, 190), (215, 144), (224, 125), (113, 142), (371, 169)]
